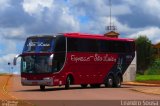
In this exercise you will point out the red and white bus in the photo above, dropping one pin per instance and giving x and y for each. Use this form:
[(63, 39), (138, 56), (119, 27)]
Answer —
[(75, 58)]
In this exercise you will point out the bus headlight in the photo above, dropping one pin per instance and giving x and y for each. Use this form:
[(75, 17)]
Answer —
[(23, 78), (47, 78)]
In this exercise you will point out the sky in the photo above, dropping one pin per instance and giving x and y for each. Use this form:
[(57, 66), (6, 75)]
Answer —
[(22, 18)]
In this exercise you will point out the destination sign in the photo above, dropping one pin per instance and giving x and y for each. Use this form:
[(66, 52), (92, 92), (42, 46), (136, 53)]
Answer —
[(38, 44)]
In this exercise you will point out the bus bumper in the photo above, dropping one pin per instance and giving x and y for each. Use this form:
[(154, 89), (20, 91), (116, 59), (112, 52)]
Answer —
[(45, 81)]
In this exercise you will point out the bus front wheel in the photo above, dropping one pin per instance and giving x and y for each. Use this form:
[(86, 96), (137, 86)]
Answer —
[(42, 87), (68, 82), (118, 82)]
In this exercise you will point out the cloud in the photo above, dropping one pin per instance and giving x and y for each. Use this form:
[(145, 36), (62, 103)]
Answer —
[(54, 18), (22, 18), (145, 13), (4, 60), (152, 7), (4, 4), (36, 6), (152, 33), (7, 47), (12, 33), (97, 8)]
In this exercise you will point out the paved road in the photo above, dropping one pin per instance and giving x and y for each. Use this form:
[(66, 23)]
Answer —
[(77, 93)]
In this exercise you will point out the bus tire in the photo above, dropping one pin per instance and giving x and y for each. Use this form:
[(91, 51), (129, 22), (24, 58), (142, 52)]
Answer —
[(42, 87), (84, 85), (109, 81), (118, 81), (68, 82)]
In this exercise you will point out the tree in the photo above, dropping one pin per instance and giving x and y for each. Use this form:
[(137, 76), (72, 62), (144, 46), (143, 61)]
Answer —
[(145, 53)]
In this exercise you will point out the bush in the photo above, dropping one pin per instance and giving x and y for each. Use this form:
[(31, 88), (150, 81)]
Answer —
[(154, 69)]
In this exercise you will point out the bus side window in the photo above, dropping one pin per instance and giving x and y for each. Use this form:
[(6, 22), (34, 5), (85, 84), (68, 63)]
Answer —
[(116, 46), (121, 47), (102, 45), (130, 47), (112, 46), (71, 44), (82, 45), (87, 45), (60, 45)]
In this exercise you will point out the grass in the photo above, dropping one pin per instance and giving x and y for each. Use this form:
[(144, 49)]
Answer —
[(148, 78)]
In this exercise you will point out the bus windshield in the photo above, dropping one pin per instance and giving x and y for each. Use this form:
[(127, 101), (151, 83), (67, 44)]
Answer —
[(41, 44), (35, 64)]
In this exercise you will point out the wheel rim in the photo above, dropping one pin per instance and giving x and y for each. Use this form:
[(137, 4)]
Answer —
[(110, 81), (69, 81), (119, 82)]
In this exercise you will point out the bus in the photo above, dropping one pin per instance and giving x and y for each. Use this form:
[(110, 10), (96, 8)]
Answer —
[(75, 59)]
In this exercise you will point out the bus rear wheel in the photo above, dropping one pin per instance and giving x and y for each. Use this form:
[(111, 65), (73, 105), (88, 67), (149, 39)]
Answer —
[(118, 81), (68, 83), (84, 85), (109, 81), (42, 87)]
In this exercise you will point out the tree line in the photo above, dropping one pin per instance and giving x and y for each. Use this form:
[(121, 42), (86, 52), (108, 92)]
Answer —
[(145, 54)]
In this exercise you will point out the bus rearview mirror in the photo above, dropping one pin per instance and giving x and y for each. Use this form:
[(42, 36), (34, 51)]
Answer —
[(50, 59), (15, 59)]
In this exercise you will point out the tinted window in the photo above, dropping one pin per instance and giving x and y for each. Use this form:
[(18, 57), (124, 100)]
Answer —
[(112, 46), (130, 46), (91, 45), (72, 44), (103, 46), (119, 47), (35, 64), (60, 44), (82, 45), (87, 45)]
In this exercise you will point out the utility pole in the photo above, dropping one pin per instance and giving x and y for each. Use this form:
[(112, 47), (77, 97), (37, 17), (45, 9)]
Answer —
[(110, 8), (111, 29)]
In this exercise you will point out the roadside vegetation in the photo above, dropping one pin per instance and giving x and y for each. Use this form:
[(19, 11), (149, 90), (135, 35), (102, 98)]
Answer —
[(148, 67), (152, 73), (145, 54), (148, 78), (154, 69)]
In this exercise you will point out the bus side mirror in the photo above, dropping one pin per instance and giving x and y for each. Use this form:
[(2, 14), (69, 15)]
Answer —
[(15, 59), (50, 59)]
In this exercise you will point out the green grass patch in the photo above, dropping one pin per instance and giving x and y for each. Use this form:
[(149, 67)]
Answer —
[(148, 78), (154, 69)]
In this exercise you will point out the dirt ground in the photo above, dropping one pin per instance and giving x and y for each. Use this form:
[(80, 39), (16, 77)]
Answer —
[(11, 89), (152, 87), (7, 81)]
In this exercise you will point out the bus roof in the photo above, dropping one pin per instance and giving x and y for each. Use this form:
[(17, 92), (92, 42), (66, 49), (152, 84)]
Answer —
[(83, 35), (94, 36)]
